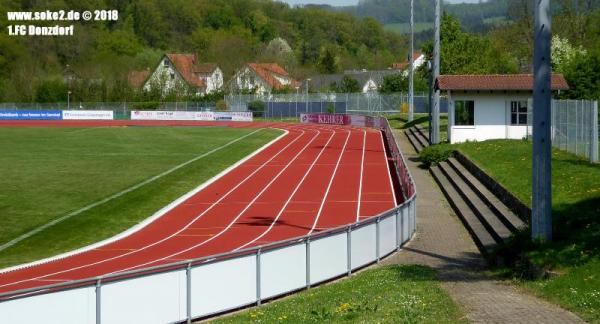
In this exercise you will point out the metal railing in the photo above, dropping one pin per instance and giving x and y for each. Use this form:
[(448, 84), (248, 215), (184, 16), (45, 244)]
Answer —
[(182, 291)]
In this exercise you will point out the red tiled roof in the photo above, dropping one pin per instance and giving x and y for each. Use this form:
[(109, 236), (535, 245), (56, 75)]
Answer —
[(266, 71), (136, 79), (495, 82), (404, 65), (185, 65), (205, 68)]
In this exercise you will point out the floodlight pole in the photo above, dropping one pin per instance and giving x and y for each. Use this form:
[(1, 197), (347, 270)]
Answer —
[(435, 123), (541, 217), (411, 72)]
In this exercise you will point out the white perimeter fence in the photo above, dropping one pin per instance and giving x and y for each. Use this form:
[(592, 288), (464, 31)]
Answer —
[(199, 288)]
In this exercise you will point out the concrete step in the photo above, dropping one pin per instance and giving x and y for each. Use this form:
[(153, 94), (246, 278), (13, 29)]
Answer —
[(480, 234), (424, 132), (413, 141), (504, 214), (486, 216), (419, 136)]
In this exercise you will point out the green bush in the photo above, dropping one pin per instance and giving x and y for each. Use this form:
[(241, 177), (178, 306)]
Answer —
[(435, 154), (149, 105), (258, 107)]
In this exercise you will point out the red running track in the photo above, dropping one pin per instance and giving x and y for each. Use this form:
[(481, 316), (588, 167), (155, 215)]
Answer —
[(314, 178)]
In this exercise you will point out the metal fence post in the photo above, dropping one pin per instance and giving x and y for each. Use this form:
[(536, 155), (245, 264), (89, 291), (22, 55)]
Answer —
[(595, 127), (188, 287), (349, 248), (258, 298), (98, 301), (398, 230), (377, 238), (308, 262)]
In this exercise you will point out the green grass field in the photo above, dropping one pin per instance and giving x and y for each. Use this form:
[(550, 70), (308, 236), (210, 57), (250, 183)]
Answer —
[(390, 294), (49, 172), (574, 253)]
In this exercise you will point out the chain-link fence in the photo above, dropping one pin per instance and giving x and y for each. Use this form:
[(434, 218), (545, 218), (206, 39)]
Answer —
[(575, 127), (291, 105)]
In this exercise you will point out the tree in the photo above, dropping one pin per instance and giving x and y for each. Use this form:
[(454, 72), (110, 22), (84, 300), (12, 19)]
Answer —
[(348, 85), (328, 62), (583, 75)]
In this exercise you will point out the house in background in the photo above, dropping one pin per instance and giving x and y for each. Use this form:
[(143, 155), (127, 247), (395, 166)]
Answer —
[(137, 79), (483, 107), (262, 78), (419, 59), (182, 72), (368, 81)]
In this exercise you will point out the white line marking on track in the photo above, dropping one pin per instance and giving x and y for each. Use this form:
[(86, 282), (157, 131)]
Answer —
[(330, 183), (291, 196), (250, 204), (118, 194), (362, 167), (164, 239)]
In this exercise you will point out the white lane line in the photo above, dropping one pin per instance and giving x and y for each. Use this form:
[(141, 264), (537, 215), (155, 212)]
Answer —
[(118, 194), (291, 196), (387, 165), (168, 237), (362, 167), (330, 183), (250, 204)]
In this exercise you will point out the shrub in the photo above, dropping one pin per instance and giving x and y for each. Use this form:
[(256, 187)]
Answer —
[(221, 105), (435, 154), (149, 105), (258, 107), (330, 108)]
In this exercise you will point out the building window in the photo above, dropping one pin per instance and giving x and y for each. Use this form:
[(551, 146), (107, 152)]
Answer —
[(518, 112), (166, 62), (172, 76), (464, 113)]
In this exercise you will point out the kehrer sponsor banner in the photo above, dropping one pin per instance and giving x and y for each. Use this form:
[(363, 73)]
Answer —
[(30, 114), (331, 119), (191, 115), (87, 115)]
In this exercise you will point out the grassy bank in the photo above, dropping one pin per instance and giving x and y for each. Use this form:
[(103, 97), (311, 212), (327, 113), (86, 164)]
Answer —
[(574, 253), (390, 294), (48, 173), (401, 122)]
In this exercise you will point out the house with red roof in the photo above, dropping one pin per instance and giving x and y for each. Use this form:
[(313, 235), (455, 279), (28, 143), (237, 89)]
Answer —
[(418, 60), (262, 78), (183, 73), (483, 107)]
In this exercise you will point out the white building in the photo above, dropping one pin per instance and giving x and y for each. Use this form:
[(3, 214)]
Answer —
[(262, 78), (483, 107), (184, 73)]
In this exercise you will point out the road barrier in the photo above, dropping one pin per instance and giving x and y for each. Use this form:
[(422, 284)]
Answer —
[(199, 288)]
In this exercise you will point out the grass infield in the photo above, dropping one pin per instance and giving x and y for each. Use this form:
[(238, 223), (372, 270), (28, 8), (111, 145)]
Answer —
[(49, 172), (389, 294)]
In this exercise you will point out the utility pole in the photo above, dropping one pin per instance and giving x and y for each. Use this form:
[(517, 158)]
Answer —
[(435, 123), (541, 217), (411, 72)]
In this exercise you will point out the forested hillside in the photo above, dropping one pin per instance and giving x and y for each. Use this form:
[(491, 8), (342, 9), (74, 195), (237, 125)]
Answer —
[(227, 32)]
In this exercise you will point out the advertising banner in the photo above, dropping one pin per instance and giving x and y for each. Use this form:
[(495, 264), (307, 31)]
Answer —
[(87, 115), (234, 116), (331, 119), (191, 115), (30, 114)]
